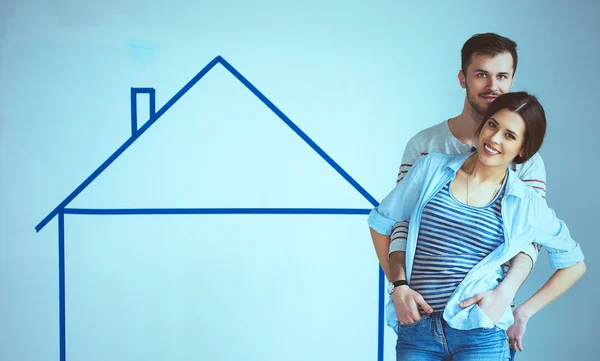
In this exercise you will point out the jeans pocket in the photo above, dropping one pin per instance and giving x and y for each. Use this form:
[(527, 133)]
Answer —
[(494, 328), (412, 324), (485, 319)]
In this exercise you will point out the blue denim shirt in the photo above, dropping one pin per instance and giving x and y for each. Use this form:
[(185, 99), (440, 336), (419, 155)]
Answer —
[(525, 215)]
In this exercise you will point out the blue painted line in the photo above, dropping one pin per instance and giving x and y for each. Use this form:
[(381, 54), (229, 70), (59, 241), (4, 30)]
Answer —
[(380, 315), (136, 133), (152, 104), (169, 104), (125, 145), (133, 96), (61, 285), (298, 131), (60, 210), (161, 211), (142, 90), (180, 93)]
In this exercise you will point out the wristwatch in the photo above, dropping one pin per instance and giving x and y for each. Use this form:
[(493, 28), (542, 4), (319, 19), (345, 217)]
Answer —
[(392, 285)]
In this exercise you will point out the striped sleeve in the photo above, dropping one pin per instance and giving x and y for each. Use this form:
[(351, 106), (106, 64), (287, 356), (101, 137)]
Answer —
[(533, 174), (398, 237)]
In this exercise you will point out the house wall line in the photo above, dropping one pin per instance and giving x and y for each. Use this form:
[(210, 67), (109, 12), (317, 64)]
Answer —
[(175, 211), (61, 284)]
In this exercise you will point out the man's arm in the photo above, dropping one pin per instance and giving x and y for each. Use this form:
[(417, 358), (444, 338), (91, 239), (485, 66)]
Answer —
[(400, 229), (406, 300), (382, 246), (398, 271), (399, 204)]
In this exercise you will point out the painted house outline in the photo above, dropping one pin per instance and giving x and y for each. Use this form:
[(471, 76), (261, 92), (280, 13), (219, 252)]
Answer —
[(60, 210)]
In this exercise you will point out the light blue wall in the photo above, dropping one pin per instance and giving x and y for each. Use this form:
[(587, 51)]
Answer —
[(359, 78)]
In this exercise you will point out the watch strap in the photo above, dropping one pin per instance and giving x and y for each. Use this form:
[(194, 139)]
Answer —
[(400, 283)]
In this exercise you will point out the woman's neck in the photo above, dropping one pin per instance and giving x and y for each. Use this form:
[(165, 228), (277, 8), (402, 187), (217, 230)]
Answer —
[(483, 174)]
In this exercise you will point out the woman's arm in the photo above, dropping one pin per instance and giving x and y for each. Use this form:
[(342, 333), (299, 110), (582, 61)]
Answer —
[(494, 302), (558, 284), (565, 256)]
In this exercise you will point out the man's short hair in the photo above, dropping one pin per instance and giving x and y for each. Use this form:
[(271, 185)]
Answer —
[(487, 44)]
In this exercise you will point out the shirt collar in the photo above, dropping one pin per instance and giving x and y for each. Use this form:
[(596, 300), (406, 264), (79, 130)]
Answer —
[(514, 186)]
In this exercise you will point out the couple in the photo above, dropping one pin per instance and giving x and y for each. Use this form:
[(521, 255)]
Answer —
[(472, 209)]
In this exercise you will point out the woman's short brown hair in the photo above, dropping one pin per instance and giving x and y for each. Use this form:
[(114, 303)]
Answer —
[(532, 112)]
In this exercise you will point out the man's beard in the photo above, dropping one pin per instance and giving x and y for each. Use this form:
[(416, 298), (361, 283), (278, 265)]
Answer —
[(479, 110)]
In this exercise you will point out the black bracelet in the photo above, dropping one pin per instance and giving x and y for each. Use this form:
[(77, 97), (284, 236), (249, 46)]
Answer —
[(400, 283)]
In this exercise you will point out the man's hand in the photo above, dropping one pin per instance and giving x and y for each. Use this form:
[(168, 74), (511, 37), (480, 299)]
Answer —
[(517, 330), (407, 302), (492, 303)]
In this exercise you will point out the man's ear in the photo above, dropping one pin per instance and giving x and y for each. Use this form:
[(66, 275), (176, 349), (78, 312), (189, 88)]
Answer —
[(462, 79)]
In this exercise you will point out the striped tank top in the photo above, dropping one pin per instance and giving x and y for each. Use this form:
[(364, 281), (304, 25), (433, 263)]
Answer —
[(453, 238)]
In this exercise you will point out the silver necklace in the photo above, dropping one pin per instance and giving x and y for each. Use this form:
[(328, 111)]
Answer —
[(469, 177)]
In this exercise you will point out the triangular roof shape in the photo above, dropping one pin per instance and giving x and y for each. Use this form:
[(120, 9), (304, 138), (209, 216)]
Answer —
[(157, 115)]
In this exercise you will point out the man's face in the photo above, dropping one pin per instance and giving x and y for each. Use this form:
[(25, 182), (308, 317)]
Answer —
[(487, 78)]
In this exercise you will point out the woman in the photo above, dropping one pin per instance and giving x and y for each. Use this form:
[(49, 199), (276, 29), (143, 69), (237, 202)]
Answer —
[(469, 215)]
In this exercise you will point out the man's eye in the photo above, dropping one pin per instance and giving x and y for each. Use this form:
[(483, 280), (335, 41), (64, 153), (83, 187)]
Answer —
[(481, 75), (502, 77)]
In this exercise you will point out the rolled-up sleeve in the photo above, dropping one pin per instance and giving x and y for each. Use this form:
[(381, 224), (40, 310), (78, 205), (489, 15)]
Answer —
[(399, 203), (565, 259), (379, 223), (553, 234)]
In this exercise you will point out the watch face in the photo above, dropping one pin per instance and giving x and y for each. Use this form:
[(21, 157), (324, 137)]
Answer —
[(390, 288)]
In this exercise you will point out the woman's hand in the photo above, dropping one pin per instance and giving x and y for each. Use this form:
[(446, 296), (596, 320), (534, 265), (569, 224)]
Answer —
[(517, 330), (492, 303)]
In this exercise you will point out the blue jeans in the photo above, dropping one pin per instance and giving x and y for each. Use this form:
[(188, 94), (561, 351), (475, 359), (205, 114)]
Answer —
[(431, 339), (513, 352)]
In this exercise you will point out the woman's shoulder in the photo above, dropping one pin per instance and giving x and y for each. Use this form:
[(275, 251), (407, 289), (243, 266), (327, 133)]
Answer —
[(434, 164), (526, 198)]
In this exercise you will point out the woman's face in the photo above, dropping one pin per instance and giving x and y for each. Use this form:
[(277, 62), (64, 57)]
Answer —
[(501, 139)]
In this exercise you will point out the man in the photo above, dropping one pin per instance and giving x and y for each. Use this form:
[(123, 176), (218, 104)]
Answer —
[(488, 66)]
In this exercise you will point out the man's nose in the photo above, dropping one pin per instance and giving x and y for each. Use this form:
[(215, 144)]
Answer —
[(493, 84)]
